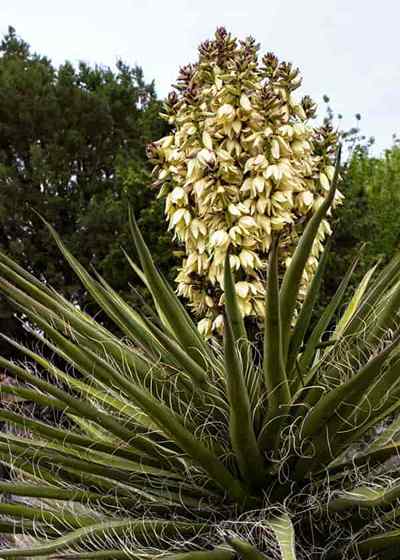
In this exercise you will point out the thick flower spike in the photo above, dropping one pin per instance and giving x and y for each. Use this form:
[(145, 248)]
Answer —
[(240, 162)]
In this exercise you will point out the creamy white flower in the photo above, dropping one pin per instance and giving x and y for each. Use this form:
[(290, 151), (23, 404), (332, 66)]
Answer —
[(206, 157), (245, 103), (178, 195), (219, 238), (275, 150), (226, 113), (204, 327), (207, 140), (234, 169), (323, 179), (305, 200), (242, 289)]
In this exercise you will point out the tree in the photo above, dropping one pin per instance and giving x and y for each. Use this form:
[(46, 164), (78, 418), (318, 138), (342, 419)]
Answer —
[(367, 225), (72, 148)]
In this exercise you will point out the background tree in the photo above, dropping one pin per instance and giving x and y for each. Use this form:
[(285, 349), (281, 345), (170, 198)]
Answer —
[(369, 219), (72, 148)]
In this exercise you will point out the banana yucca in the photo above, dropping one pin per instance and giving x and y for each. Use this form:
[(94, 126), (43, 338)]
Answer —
[(172, 447)]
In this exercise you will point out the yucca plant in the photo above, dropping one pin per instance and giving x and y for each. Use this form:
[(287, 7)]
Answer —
[(174, 447), (281, 446)]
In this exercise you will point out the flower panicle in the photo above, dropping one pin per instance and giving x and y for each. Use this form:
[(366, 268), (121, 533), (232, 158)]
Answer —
[(242, 161)]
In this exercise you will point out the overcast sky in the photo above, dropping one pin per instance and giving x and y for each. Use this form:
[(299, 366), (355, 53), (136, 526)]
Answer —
[(348, 49)]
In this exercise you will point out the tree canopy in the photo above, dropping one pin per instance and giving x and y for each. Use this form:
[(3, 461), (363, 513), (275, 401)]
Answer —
[(72, 149)]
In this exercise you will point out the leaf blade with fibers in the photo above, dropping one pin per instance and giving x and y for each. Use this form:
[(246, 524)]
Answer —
[(379, 542), (183, 359), (387, 318), (26, 394), (72, 468), (387, 436), (108, 455), (136, 326), (140, 529), (327, 405), (364, 497), (64, 318), (58, 518), (292, 277), (246, 550), (18, 528), (81, 408), (114, 554), (183, 327), (160, 413), (235, 315), (347, 424), (386, 279), (241, 429), (284, 533), (323, 421), (276, 382), (355, 301), (49, 492), (158, 311), (326, 317), (304, 318)]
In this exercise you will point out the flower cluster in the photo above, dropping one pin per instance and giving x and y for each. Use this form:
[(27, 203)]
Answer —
[(241, 162)]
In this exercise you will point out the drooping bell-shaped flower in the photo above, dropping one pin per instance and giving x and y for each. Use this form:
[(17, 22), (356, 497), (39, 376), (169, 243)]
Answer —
[(241, 162)]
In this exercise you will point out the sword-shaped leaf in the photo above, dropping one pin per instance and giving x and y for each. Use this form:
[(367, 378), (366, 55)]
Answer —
[(292, 277), (241, 426), (278, 392), (147, 530), (283, 529), (183, 328)]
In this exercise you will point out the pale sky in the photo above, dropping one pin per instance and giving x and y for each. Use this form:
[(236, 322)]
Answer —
[(348, 49)]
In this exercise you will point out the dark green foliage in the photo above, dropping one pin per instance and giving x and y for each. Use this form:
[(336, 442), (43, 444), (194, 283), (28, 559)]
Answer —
[(369, 221), (72, 148), (370, 217), (183, 450)]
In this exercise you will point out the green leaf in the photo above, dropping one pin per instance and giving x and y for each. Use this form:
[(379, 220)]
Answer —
[(387, 318), (82, 408), (304, 318), (368, 458), (72, 321), (114, 554), (235, 315), (183, 359), (241, 427), (183, 328), (365, 497), (292, 277), (325, 319), (284, 533), (48, 492), (61, 518), (26, 394), (147, 530), (18, 528), (354, 304), (325, 419), (246, 550), (387, 436), (168, 422), (278, 393), (385, 281), (318, 416), (379, 542)]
